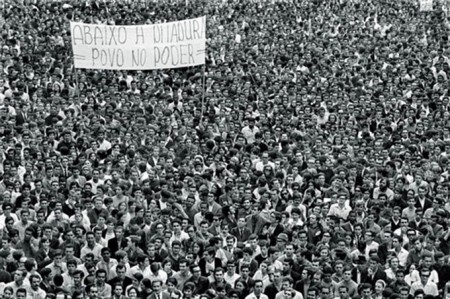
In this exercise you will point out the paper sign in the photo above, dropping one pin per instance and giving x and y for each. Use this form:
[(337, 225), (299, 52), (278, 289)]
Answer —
[(144, 47)]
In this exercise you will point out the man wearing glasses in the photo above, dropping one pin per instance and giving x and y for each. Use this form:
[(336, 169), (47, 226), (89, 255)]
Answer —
[(201, 283), (427, 286), (7, 212), (325, 292)]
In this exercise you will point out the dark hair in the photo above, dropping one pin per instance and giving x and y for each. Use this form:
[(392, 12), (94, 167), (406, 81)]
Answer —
[(218, 269), (100, 271), (22, 291)]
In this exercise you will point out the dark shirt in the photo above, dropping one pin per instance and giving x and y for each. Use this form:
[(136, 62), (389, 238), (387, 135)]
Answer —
[(201, 285), (27, 249)]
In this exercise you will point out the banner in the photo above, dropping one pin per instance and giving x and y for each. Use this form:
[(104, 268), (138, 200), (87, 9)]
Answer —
[(144, 47), (426, 5)]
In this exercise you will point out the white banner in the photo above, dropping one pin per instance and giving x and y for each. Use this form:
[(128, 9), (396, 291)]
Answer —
[(144, 47), (426, 5)]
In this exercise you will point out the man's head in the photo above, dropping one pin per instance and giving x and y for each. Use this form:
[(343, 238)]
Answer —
[(77, 277), (28, 234), (374, 262), (71, 266), (418, 243), (183, 266), (120, 271), (286, 282), (195, 270), (100, 276), (21, 293), (92, 291), (397, 242), (218, 274), (156, 286), (387, 236), (35, 280), (369, 236), (366, 290), (326, 293), (424, 275), (106, 254), (258, 287), (24, 214), (347, 273), (118, 289), (19, 275), (312, 293), (90, 238), (343, 292), (404, 292)]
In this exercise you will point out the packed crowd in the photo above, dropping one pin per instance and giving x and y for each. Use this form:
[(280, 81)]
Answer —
[(308, 158)]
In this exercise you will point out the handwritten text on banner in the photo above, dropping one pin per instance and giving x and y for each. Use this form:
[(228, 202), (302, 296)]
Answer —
[(144, 47)]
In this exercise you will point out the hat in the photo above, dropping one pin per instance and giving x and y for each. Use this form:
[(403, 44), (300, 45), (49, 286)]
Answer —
[(283, 237)]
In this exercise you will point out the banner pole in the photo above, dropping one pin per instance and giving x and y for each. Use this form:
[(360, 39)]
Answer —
[(203, 92), (77, 86)]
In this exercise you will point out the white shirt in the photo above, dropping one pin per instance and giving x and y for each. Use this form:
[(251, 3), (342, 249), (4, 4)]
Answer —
[(336, 210), (301, 207), (3, 217), (96, 251), (430, 288), (104, 145), (51, 217), (259, 166), (183, 236), (280, 295), (415, 277), (253, 296), (39, 294), (390, 273), (402, 256), (113, 273), (373, 245), (146, 272), (249, 134), (11, 110), (95, 185), (231, 279), (160, 276)]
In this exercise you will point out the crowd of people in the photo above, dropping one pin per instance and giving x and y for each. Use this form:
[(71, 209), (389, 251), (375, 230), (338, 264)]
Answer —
[(308, 158)]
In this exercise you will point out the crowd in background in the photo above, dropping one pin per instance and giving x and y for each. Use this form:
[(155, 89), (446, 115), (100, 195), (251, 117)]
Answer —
[(307, 159)]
